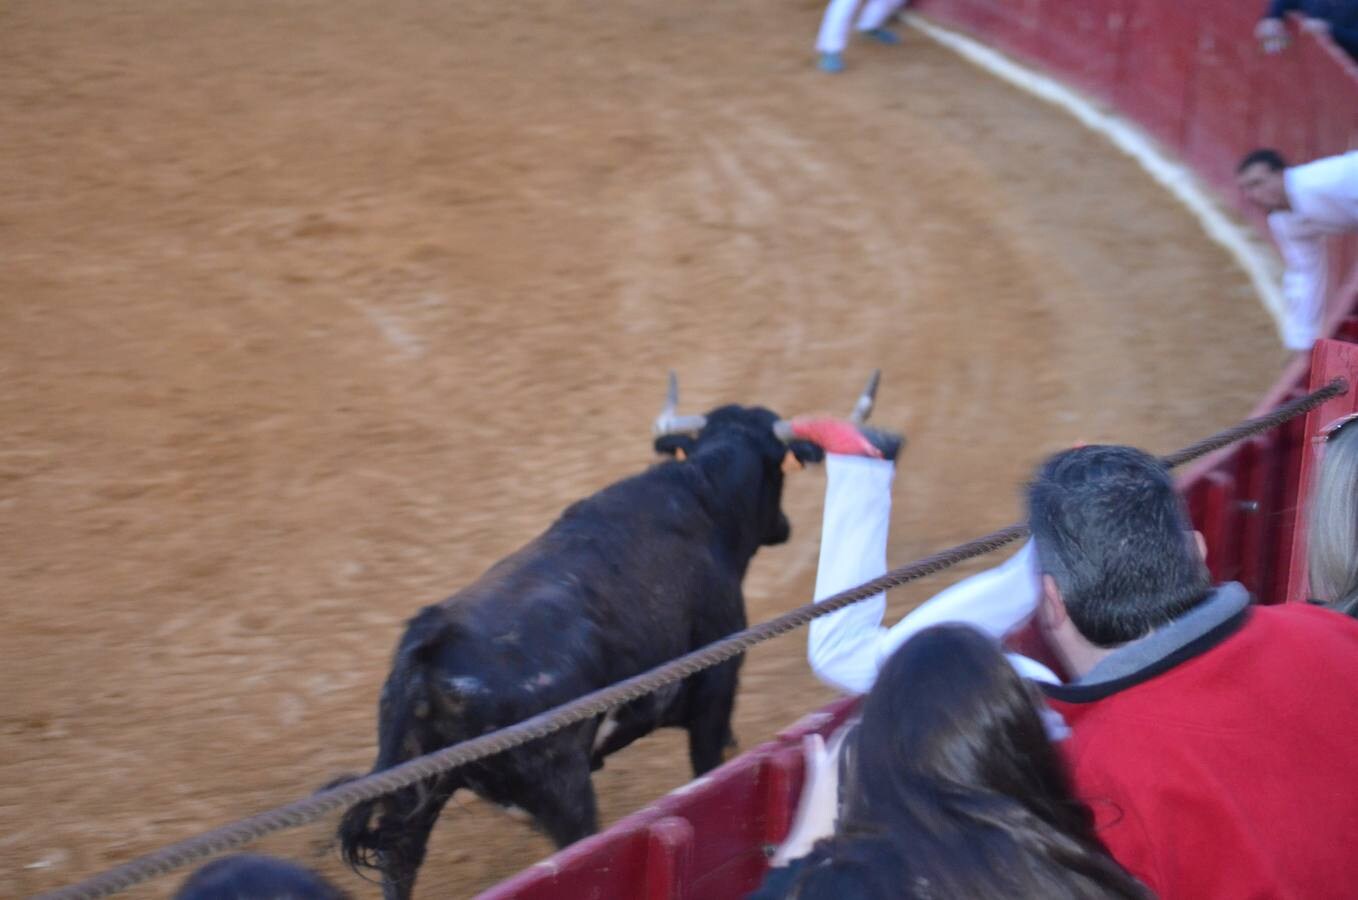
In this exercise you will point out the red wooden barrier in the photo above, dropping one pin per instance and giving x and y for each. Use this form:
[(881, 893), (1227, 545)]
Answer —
[(1217, 518), (1293, 447), (1159, 49), (1084, 41), (669, 859), (734, 816), (1260, 508)]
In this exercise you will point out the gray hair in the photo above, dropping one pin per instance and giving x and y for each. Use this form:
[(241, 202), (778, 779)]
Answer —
[(1111, 531), (1332, 541)]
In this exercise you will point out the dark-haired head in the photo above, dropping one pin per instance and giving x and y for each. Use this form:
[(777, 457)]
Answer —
[(955, 789), (1114, 537), (949, 715), (255, 877), (1269, 159), (1260, 178)]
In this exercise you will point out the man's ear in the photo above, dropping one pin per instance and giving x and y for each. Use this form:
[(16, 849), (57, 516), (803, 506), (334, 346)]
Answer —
[(1051, 607), (680, 446), (1201, 543)]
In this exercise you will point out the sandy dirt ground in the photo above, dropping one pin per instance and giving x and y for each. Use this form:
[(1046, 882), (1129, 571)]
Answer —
[(311, 310)]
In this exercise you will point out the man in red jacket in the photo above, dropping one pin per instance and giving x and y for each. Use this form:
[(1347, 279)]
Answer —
[(1214, 740)]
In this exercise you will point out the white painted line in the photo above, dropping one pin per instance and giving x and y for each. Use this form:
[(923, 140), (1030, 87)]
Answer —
[(690, 787), (1255, 258)]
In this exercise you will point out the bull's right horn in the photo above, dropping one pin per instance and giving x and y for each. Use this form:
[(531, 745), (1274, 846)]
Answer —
[(669, 421), (863, 408)]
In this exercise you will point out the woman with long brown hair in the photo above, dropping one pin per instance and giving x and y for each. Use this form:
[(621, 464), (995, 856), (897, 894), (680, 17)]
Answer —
[(954, 790)]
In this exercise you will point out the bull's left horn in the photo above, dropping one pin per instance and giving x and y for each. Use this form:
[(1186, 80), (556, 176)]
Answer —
[(669, 421), (863, 408)]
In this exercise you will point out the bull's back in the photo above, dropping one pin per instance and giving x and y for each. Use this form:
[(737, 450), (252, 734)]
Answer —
[(622, 582)]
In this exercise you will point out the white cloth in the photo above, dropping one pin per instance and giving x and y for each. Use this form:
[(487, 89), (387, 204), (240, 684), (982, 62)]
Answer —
[(847, 648), (1324, 200), (834, 25), (818, 803)]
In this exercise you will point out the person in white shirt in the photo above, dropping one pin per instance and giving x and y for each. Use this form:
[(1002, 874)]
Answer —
[(837, 23), (847, 649), (1305, 205)]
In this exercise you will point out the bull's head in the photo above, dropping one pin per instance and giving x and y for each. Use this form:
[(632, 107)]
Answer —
[(712, 439)]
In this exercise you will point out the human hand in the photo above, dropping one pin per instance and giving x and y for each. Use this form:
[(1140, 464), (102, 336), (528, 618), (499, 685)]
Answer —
[(1272, 34), (1315, 26)]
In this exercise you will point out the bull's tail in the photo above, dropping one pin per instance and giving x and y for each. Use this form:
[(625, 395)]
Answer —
[(389, 833), (358, 838)]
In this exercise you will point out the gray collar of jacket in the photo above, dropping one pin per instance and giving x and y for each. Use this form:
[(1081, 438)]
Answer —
[(1225, 602)]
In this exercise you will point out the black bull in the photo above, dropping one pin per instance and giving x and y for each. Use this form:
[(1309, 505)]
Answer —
[(644, 571)]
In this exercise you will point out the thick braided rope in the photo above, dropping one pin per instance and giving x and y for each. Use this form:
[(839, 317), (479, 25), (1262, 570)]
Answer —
[(1251, 427), (309, 809)]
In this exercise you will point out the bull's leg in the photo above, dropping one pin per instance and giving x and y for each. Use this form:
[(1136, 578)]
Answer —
[(562, 803), (404, 834), (712, 698), (620, 728)]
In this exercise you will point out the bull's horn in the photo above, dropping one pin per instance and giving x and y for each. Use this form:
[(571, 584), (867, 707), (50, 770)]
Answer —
[(669, 421), (863, 408)]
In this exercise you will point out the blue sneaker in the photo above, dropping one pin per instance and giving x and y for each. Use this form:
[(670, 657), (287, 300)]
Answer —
[(830, 62), (884, 36)]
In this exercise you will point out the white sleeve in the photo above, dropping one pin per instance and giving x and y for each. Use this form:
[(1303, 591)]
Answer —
[(842, 647), (847, 648), (1304, 281), (996, 601)]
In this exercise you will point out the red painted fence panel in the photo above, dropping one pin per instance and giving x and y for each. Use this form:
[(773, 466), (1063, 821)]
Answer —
[(1082, 40), (1225, 108), (736, 814), (1160, 47)]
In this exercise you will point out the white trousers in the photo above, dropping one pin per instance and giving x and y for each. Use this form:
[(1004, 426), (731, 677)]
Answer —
[(834, 26)]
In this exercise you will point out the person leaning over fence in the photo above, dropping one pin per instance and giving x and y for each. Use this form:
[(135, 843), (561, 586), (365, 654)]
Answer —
[(1305, 205), (954, 790), (1212, 739)]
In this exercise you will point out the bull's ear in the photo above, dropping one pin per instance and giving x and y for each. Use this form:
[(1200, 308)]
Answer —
[(805, 452), (680, 446)]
